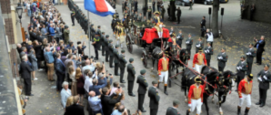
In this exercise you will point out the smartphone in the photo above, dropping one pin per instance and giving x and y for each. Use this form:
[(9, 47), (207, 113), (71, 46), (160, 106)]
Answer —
[(119, 87)]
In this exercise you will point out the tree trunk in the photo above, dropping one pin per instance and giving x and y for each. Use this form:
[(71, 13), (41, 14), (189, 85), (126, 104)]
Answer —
[(215, 18)]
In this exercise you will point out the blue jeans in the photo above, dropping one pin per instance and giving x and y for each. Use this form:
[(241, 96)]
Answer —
[(29, 12)]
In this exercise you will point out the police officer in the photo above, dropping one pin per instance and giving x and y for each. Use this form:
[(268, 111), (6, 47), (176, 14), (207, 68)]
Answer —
[(99, 31), (111, 53), (251, 53), (179, 13), (72, 16), (96, 44), (102, 41), (142, 88), (222, 58), (241, 70), (264, 78), (122, 65), (154, 98), (208, 51), (180, 38), (173, 110), (116, 60), (199, 45), (189, 43), (107, 46), (131, 77)]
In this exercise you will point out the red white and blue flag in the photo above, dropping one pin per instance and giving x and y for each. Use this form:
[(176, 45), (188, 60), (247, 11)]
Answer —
[(99, 7)]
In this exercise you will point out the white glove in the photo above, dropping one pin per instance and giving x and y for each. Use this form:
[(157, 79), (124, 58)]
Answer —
[(178, 36), (260, 79), (201, 103), (187, 42), (189, 105), (248, 53), (220, 57), (265, 77), (198, 45), (206, 51)]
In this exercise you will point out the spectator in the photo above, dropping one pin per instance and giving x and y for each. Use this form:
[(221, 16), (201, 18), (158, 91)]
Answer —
[(95, 87), (60, 71), (39, 53), (66, 34), (95, 103), (33, 59), (88, 81), (120, 111), (65, 93), (89, 66), (80, 83), (75, 109), (70, 100), (260, 49), (25, 72), (108, 102), (115, 87), (19, 48), (50, 63), (72, 77), (81, 48)]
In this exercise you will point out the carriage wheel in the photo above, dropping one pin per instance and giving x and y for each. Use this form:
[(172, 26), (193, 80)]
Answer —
[(144, 60), (129, 44)]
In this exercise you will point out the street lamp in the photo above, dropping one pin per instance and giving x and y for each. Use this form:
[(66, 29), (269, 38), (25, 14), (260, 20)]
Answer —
[(19, 10)]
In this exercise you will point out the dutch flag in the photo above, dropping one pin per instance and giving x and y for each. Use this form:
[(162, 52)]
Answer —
[(99, 7)]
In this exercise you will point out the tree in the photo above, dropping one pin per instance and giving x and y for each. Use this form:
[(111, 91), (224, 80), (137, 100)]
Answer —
[(215, 18)]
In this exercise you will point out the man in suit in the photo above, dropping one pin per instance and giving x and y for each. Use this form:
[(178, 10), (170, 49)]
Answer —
[(208, 51), (202, 26), (108, 102), (260, 49), (180, 38), (75, 109), (264, 78), (131, 77), (189, 43), (25, 72), (142, 88), (241, 70), (116, 60), (173, 110), (154, 98), (122, 62), (222, 58), (199, 45), (251, 53), (60, 72), (108, 45)]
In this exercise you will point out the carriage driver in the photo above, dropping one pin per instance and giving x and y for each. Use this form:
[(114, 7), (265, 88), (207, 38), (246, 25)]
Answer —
[(121, 35), (244, 92), (158, 24), (163, 65), (199, 60), (195, 96)]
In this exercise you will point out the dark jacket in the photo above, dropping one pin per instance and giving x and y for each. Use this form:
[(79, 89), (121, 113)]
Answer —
[(25, 70), (222, 61), (131, 72), (142, 85), (108, 103), (60, 66), (74, 110), (208, 51), (172, 111), (261, 46), (251, 53), (154, 98), (264, 84)]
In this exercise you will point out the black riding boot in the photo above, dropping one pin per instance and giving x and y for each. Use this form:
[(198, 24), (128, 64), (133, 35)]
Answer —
[(246, 111), (239, 110), (187, 112), (165, 89), (158, 84)]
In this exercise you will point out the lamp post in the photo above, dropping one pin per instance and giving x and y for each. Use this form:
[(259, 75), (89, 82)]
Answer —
[(19, 11)]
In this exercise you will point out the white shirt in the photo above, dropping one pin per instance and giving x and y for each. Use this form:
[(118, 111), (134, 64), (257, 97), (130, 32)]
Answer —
[(28, 6), (88, 82), (210, 37)]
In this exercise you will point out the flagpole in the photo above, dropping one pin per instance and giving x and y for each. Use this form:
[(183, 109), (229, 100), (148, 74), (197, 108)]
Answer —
[(89, 33)]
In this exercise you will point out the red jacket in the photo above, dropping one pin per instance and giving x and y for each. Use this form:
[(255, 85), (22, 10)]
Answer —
[(160, 66), (192, 90), (195, 60), (244, 87)]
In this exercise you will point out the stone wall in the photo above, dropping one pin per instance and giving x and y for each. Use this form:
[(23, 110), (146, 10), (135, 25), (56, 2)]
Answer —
[(262, 10)]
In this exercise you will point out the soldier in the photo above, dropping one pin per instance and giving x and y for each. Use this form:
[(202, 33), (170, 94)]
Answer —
[(189, 43), (96, 44), (153, 5), (202, 26), (163, 65), (135, 16), (163, 12), (131, 77), (158, 24), (264, 78), (208, 51), (173, 110), (72, 17), (92, 32), (222, 58), (195, 96), (122, 65), (142, 88), (111, 54), (244, 92), (171, 31), (199, 60), (139, 18), (199, 45), (99, 31), (116, 60), (154, 98), (149, 13), (241, 70), (179, 13), (180, 38), (250, 55), (102, 42), (107, 46)]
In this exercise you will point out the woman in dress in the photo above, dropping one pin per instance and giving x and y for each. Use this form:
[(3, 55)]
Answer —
[(80, 84), (34, 63), (73, 83), (65, 93)]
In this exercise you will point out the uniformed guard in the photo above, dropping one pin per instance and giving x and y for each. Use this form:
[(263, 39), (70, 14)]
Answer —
[(96, 44), (264, 78), (139, 18), (202, 26), (149, 13), (102, 41), (107, 46), (142, 88), (72, 16), (195, 96), (135, 16), (131, 77), (111, 53), (99, 31), (199, 45), (174, 46), (173, 110), (208, 51), (92, 32), (171, 31), (122, 65), (114, 21), (189, 43), (222, 58), (244, 92), (163, 66), (251, 53), (163, 12), (122, 36), (116, 29), (199, 61), (180, 38), (241, 69), (179, 13), (116, 60), (154, 98), (158, 24)]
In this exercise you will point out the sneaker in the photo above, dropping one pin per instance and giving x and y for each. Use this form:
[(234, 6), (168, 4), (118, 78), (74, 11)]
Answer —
[(36, 79)]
